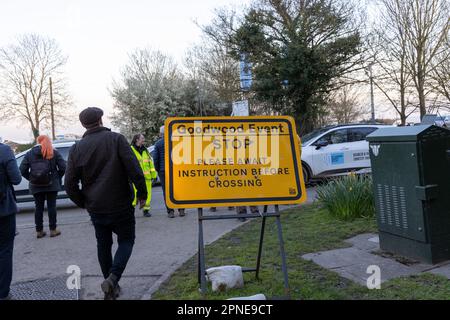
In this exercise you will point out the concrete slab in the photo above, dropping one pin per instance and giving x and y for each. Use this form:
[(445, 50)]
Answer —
[(414, 264), (371, 243), (352, 263), (366, 242), (375, 239)]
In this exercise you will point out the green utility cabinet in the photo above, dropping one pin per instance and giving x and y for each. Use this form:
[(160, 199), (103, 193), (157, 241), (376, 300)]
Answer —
[(411, 181)]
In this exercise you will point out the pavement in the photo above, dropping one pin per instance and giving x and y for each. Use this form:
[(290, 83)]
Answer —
[(162, 246), (353, 262)]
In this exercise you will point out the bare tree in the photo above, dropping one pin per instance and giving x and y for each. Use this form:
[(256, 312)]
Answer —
[(210, 65), (344, 106), (426, 25), (441, 74), (222, 28), (389, 48), (25, 71)]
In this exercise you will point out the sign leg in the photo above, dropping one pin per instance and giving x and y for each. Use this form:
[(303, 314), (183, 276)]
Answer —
[(261, 241), (199, 273), (201, 253), (283, 254)]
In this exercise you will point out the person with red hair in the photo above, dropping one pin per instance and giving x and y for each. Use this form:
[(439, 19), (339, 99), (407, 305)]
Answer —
[(43, 166)]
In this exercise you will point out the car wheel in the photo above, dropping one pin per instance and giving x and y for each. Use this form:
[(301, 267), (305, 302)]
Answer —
[(305, 175)]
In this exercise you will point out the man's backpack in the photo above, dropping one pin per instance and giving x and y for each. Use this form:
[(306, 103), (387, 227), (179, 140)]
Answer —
[(40, 172)]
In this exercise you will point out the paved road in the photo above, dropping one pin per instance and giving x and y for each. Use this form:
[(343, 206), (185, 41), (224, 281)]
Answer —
[(162, 245)]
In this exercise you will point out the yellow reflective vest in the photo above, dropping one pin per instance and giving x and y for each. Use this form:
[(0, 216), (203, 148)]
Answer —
[(146, 162)]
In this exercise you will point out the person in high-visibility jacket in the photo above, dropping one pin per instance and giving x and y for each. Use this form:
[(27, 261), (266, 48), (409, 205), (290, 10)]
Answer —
[(146, 162)]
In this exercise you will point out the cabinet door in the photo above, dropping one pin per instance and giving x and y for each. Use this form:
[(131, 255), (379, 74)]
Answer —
[(396, 174)]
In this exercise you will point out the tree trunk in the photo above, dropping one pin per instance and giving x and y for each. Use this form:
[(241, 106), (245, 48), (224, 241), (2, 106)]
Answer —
[(35, 132), (304, 125), (422, 103), (402, 107), (403, 120), (421, 81)]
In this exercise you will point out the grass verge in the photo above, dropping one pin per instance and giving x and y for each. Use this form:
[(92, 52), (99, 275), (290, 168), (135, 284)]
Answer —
[(306, 229)]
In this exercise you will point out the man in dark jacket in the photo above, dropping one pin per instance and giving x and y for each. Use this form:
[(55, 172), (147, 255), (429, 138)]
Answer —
[(160, 166), (9, 176), (106, 167)]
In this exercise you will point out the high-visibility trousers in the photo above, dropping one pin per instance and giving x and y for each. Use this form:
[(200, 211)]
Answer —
[(149, 195)]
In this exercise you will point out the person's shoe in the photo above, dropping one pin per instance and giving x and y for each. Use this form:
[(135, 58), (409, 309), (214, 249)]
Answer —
[(242, 211), (117, 291), (213, 209), (40, 234), (171, 214), (54, 233), (8, 297), (147, 214), (109, 287), (182, 212)]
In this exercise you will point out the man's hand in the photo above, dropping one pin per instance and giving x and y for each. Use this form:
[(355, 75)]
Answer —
[(142, 203)]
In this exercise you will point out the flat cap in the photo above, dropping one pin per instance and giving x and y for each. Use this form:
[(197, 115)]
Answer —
[(89, 117)]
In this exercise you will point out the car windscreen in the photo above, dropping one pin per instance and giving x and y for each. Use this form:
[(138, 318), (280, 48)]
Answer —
[(312, 135)]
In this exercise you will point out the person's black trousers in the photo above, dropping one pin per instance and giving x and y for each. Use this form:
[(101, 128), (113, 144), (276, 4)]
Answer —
[(39, 201), (7, 234), (124, 226), (162, 179)]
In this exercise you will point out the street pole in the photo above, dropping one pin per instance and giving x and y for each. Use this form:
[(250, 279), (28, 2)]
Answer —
[(201, 105), (199, 97), (51, 110), (372, 102)]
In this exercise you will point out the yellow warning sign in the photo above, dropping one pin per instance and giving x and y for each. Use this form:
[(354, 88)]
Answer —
[(232, 161)]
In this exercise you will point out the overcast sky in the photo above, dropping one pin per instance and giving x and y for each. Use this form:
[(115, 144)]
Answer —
[(97, 35)]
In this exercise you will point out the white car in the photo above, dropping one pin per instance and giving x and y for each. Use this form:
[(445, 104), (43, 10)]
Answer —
[(336, 150), (442, 121), (22, 192)]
